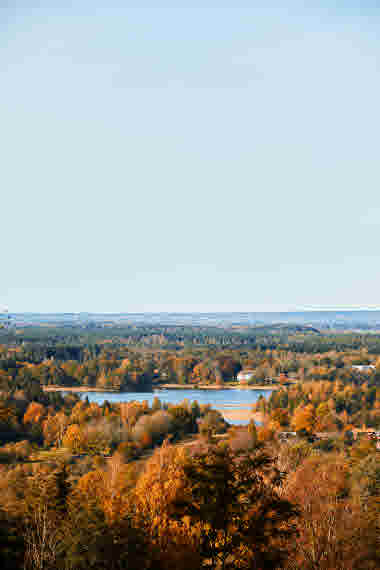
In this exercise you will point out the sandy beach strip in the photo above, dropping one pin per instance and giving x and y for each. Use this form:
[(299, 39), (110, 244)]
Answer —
[(242, 413)]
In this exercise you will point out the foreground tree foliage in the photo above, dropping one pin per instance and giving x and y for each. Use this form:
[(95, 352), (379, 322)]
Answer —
[(336, 530), (227, 505), (196, 505), (90, 540), (235, 498)]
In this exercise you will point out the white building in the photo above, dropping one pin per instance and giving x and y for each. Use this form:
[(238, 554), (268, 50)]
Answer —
[(245, 375), (363, 367)]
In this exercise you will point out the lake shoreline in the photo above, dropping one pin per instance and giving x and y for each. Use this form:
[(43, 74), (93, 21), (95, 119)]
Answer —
[(234, 404), (79, 389), (214, 387), (54, 388)]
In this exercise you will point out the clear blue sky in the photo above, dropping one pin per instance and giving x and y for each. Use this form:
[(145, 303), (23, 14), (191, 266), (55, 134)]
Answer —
[(189, 156)]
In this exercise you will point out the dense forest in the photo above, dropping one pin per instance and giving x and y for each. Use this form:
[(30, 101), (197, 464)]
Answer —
[(132, 357), (163, 486)]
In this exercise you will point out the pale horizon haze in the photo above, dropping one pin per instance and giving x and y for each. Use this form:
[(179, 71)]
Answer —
[(189, 156)]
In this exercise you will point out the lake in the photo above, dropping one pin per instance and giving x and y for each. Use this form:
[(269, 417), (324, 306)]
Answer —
[(225, 400)]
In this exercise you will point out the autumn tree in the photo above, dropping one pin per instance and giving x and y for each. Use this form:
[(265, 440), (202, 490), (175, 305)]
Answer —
[(74, 439), (334, 532), (34, 413), (235, 498), (211, 424), (176, 542), (304, 419), (91, 540), (54, 428)]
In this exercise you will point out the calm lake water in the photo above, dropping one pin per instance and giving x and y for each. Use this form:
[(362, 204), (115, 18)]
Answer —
[(231, 399)]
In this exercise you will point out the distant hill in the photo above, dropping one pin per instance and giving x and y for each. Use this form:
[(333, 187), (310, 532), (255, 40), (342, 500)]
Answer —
[(359, 320)]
